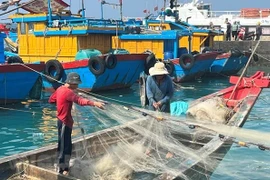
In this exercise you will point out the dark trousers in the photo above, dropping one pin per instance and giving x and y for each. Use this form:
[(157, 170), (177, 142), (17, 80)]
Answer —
[(64, 145), (228, 36), (258, 36), (234, 35)]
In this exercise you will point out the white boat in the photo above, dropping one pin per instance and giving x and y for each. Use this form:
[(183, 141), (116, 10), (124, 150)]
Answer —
[(200, 14)]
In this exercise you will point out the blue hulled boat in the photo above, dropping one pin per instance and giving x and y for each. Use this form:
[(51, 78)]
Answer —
[(229, 63), (18, 80), (70, 42)]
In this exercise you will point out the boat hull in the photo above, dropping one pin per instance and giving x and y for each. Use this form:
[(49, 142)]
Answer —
[(227, 65), (125, 73), (201, 66), (17, 81)]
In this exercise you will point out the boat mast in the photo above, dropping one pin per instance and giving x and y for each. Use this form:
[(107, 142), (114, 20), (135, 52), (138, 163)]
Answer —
[(83, 10), (50, 13)]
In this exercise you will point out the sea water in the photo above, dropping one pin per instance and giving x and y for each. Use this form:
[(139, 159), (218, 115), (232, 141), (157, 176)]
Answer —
[(29, 125)]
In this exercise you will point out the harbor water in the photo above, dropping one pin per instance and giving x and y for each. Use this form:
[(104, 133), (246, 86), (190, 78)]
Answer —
[(32, 124)]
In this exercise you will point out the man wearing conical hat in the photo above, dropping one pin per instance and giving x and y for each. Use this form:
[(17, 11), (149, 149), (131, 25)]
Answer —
[(159, 88)]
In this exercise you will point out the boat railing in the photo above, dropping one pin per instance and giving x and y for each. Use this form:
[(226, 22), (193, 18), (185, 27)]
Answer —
[(90, 22), (222, 13)]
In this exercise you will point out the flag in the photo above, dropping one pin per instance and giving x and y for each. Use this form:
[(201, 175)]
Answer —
[(156, 8), (145, 11)]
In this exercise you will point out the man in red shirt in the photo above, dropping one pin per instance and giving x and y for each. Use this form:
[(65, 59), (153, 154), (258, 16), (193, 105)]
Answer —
[(64, 97)]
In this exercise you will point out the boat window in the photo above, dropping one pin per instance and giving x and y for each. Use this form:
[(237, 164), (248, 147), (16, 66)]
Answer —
[(30, 28), (22, 28)]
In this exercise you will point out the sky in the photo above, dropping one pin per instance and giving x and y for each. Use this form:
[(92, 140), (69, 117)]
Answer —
[(134, 8)]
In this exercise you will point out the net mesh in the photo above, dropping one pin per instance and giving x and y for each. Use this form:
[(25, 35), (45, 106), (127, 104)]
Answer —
[(153, 145)]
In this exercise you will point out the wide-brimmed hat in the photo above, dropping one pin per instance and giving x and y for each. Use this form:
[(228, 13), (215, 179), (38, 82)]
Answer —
[(73, 78), (158, 69)]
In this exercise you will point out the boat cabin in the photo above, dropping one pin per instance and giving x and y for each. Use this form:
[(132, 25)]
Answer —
[(56, 33), (200, 37), (164, 44)]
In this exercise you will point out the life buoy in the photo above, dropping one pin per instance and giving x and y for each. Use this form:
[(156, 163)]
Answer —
[(110, 61), (170, 67), (149, 62), (255, 57), (14, 59), (54, 69), (236, 52), (186, 61), (96, 65)]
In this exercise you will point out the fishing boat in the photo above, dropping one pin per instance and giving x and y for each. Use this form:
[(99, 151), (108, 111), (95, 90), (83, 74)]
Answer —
[(230, 63), (226, 63), (18, 81), (239, 99), (69, 42), (182, 64), (200, 14)]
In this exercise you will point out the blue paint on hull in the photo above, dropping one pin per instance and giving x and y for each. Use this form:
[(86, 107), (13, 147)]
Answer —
[(123, 75), (228, 66), (16, 86), (198, 70)]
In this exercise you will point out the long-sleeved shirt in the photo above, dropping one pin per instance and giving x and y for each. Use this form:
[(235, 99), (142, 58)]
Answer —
[(162, 92), (64, 98)]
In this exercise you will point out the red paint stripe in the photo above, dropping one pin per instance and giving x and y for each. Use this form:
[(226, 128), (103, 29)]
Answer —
[(224, 55), (120, 57), (6, 68)]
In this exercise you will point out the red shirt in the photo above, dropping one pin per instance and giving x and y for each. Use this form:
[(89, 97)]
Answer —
[(64, 98)]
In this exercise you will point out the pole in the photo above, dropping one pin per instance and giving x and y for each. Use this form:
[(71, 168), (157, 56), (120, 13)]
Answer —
[(50, 13), (83, 9), (121, 9), (101, 6)]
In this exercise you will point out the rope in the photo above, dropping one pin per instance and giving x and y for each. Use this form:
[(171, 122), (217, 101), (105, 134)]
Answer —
[(244, 70), (193, 126), (86, 92), (69, 32), (263, 57)]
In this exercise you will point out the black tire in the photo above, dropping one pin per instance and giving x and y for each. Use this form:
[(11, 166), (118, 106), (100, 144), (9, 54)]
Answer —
[(110, 61), (236, 52), (52, 66), (96, 65), (14, 59), (255, 58), (186, 61), (170, 67), (149, 62)]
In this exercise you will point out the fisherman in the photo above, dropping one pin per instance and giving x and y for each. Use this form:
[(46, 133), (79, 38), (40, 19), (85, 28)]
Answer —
[(258, 31), (159, 88), (64, 97)]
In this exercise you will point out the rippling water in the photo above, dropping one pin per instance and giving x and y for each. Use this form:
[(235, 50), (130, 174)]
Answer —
[(30, 125)]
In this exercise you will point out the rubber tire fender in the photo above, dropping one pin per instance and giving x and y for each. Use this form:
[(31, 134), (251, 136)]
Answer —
[(111, 61), (14, 59), (170, 67), (255, 58), (96, 62), (54, 64), (182, 60), (149, 62)]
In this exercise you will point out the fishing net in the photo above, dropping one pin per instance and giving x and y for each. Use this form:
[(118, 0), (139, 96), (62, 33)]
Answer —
[(142, 144)]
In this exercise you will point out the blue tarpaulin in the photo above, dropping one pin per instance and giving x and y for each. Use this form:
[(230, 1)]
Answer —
[(178, 108)]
